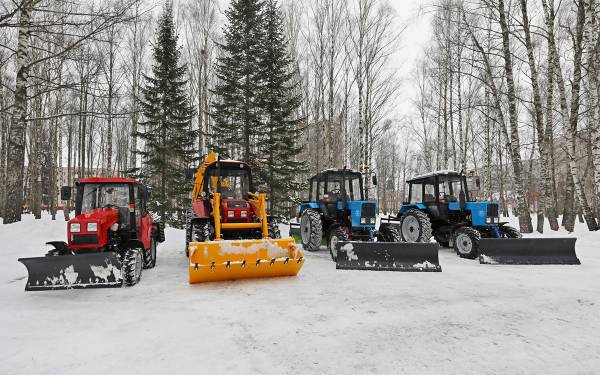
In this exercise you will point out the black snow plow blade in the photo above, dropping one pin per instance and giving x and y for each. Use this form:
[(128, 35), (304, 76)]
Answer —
[(528, 251), (388, 256), (97, 270)]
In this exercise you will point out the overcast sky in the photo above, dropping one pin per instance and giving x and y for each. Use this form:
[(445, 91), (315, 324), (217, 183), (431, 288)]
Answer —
[(413, 14)]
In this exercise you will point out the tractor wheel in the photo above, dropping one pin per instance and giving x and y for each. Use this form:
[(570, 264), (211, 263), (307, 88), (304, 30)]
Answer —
[(442, 240), (415, 226), (133, 262), (274, 231), (466, 242), (199, 232), (389, 233), (150, 254), (336, 235), (509, 232), (311, 230)]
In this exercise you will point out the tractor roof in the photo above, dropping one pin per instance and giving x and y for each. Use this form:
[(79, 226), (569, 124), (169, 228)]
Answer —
[(429, 175), (335, 171), (107, 180)]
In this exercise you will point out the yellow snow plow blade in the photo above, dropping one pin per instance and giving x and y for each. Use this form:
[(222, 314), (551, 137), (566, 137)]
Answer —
[(243, 259)]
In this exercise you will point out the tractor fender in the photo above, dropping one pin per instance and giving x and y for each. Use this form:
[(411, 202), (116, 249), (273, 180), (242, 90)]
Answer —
[(131, 244), (406, 207), (308, 205), (199, 209)]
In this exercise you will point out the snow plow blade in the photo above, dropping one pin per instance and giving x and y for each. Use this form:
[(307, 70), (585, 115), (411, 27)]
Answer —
[(528, 251), (82, 271), (388, 256), (243, 259)]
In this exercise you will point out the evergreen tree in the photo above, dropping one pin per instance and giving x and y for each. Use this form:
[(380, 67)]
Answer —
[(167, 132), (237, 123), (279, 104)]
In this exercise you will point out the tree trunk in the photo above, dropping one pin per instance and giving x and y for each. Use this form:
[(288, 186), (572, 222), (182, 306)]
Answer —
[(515, 148), (16, 135)]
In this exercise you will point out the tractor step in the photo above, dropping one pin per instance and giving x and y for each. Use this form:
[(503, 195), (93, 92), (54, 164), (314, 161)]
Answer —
[(528, 251), (388, 256), (82, 271)]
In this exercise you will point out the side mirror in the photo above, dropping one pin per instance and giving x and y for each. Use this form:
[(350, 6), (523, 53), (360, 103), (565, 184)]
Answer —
[(374, 180), (65, 193)]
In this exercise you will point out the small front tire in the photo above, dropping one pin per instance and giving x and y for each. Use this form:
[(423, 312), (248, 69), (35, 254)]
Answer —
[(509, 232), (466, 242), (389, 233), (336, 235), (133, 262)]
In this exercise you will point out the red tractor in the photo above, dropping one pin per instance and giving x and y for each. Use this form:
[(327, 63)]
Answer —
[(110, 239)]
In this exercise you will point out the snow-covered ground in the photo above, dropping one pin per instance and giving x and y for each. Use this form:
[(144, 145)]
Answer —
[(468, 319)]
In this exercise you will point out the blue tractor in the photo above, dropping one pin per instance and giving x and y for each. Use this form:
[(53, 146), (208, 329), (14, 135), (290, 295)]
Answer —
[(337, 210), (439, 205)]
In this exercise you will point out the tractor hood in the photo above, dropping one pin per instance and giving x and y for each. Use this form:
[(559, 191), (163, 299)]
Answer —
[(90, 228), (102, 216)]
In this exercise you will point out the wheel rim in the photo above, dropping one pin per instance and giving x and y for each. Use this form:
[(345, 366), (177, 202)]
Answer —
[(333, 245), (305, 229), (138, 265), (410, 229), (464, 243)]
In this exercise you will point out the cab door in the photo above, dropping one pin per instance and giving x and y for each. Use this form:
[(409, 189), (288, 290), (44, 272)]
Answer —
[(143, 221)]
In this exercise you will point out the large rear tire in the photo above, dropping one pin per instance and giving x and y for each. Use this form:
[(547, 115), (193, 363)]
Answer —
[(415, 226), (466, 242), (150, 254), (336, 235), (509, 232), (133, 263), (311, 230), (389, 233)]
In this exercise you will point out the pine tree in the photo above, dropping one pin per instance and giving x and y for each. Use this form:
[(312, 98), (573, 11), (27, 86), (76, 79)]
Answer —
[(167, 132), (279, 104), (237, 118)]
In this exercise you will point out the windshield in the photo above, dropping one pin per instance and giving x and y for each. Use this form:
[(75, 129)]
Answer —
[(103, 195), (335, 188), (450, 189), (235, 183)]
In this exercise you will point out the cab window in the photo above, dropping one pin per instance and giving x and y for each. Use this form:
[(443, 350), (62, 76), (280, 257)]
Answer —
[(428, 193), (416, 193)]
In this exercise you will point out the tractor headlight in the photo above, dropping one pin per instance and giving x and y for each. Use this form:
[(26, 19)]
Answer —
[(372, 220), (230, 213), (244, 213), (92, 227), (363, 220), (75, 227)]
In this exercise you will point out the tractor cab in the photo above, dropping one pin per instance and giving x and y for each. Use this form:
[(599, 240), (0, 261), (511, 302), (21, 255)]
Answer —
[(233, 181), (446, 196), (107, 207), (339, 195)]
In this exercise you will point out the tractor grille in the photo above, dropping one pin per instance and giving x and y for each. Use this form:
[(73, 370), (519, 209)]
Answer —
[(368, 210), (84, 239), (492, 210)]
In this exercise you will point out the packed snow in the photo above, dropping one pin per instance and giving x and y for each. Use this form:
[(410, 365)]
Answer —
[(469, 319)]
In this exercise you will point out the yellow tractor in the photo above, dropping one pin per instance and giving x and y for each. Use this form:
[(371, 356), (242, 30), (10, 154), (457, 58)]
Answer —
[(228, 234)]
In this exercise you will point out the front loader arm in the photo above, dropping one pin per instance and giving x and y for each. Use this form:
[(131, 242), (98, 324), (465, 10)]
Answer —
[(199, 181)]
